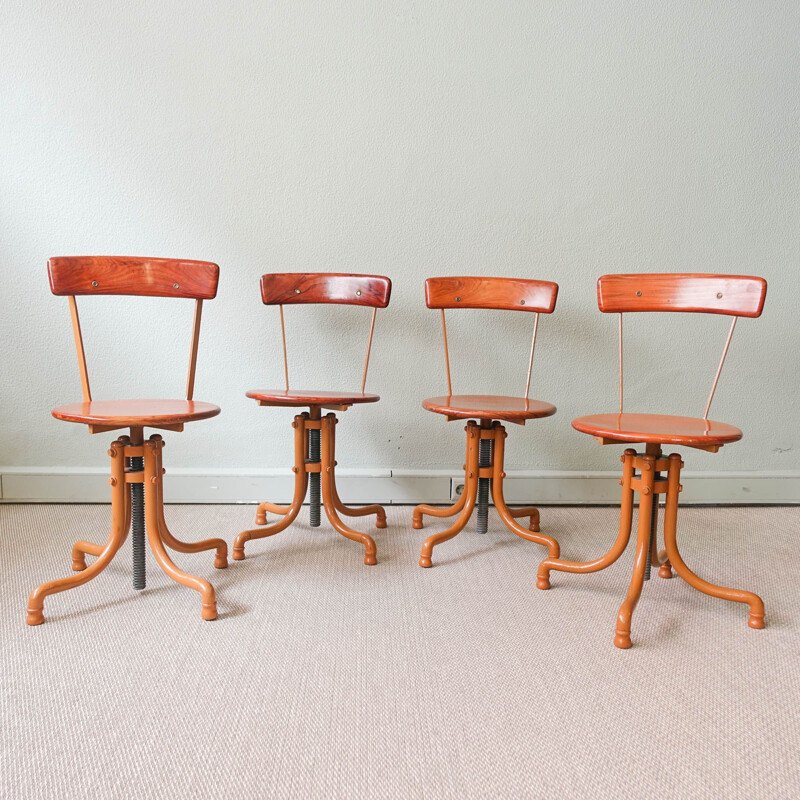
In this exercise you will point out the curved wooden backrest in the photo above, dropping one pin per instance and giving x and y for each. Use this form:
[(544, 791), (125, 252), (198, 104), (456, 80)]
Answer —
[(292, 288), (146, 277), (510, 294), (734, 295), (506, 294), (151, 277), (283, 288)]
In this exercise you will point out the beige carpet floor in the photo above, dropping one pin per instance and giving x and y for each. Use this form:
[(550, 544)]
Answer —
[(323, 678)]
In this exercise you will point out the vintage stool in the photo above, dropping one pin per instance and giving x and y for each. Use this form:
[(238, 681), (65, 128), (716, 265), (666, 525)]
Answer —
[(315, 435), (651, 473), (136, 472), (486, 437)]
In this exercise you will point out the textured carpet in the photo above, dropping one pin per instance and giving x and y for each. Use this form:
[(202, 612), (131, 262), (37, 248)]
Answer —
[(323, 678)]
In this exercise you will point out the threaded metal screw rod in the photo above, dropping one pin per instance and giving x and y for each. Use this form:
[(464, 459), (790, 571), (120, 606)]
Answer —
[(314, 457), (485, 451), (653, 530), (136, 464)]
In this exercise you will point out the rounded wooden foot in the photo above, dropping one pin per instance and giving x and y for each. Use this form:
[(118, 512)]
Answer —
[(665, 571), (370, 559), (416, 524), (425, 561), (380, 521), (543, 582), (35, 616), (221, 561), (622, 640), (238, 553), (755, 621), (209, 611), (78, 564), (261, 517)]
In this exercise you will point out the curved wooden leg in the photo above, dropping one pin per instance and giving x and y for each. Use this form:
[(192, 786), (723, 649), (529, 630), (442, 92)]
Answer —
[(438, 511), (349, 511), (756, 618), (118, 532), (527, 511), (623, 537), (263, 508), (300, 488), (327, 474), (81, 549), (152, 477), (622, 638), (500, 504), (469, 497), (220, 557)]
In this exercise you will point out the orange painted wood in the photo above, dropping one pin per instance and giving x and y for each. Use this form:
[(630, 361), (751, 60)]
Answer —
[(736, 295), (488, 406), (658, 428), (283, 288), (152, 277), (309, 397), (510, 294), (137, 413)]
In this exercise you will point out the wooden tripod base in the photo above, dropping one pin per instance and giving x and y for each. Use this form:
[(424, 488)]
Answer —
[(649, 482), (157, 532), (474, 471), (323, 465)]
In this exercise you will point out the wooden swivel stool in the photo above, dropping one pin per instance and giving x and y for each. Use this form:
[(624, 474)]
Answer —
[(136, 472), (483, 467), (315, 435), (650, 473)]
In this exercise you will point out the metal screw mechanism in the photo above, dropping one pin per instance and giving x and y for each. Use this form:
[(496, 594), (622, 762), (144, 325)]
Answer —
[(136, 464), (314, 457), (485, 450)]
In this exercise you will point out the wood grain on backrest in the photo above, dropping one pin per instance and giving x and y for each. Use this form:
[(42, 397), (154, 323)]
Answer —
[(736, 295), (283, 288), (152, 277), (511, 294)]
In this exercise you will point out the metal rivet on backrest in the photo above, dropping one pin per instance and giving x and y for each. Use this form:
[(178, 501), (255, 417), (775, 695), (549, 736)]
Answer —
[(639, 293), (176, 286), (458, 299), (522, 302), (297, 291), (358, 292), (719, 295), (95, 284)]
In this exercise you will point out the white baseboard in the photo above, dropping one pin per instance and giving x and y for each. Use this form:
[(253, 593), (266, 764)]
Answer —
[(88, 485)]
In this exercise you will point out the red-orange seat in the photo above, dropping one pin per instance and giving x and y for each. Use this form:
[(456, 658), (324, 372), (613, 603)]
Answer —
[(136, 413), (301, 398), (483, 468), (136, 473), (315, 435), (658, 429), (650, 472), (488, 406)]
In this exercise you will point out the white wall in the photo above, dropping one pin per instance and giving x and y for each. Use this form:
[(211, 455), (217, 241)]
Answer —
[(555, 139)]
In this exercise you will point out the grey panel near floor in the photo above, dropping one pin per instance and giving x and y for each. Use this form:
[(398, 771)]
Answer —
[(323, 678)]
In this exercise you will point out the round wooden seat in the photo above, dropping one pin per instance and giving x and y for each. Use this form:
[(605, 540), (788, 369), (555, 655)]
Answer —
[(136, 413), (488, 406), (309, 397), (658, 429)]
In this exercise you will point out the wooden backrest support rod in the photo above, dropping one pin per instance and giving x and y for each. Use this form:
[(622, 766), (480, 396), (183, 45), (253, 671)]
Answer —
[(719, 368), (198, 313), (369, 347), (530, 360), (285, 357), (76, 331), (446, 356)]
